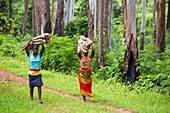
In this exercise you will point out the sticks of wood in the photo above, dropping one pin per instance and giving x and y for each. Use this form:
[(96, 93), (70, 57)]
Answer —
[(84, 44), (42, 39)]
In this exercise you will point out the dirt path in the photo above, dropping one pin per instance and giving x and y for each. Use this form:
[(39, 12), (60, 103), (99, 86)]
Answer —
[(25, 81)]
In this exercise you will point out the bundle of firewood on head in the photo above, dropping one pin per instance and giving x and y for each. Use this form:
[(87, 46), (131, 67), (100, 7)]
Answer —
[(84, 44), (42, 39)]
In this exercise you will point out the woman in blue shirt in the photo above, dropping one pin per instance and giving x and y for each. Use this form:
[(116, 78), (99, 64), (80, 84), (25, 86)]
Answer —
[(35, 77)]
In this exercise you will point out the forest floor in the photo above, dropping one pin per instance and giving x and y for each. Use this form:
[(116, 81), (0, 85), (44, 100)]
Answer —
[(23, 80)]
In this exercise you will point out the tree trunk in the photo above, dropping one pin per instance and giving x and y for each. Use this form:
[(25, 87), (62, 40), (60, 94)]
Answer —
[(68, 10), (10, 13), (25, 18), (91, 20), (124, 3), (160, 26), (33, 19), (168, 17), (36, 22), (105, 23), (130, 71), (100, 40), (97, 13), (53, 16), (110, 23), (142, 34), (45, 17), (154, 23), (59, 23)]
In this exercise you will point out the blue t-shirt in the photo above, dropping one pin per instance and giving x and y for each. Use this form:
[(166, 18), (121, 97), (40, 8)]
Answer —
[(34, 61)]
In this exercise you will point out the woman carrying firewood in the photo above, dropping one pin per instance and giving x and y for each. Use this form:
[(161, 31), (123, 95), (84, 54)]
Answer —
[(85, 72), (35, 77)]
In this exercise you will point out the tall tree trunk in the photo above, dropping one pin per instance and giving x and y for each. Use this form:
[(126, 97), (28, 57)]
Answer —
[(36, 22), (25, 18), (45, 17), (168, 17), (110, 23), (91, 19), (10, 13), (105, 23), (124, 5), (154, 23), (97, 13), (68, 10), (53, 16), (100, 40), (160, 26), (59, 23), (33, 19), (142, 33), (130, 71)]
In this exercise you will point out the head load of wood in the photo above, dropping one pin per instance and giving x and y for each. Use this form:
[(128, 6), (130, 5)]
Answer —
[(84, 44), (42, 39)]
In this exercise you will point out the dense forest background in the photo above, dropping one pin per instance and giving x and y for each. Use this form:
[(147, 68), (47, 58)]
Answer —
[(152, 65)]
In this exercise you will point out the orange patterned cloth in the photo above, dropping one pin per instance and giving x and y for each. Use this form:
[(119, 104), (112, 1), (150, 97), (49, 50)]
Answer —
[(85, 81)]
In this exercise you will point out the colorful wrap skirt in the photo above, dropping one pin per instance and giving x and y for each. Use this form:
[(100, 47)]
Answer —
[(35, 81), (85, 81)]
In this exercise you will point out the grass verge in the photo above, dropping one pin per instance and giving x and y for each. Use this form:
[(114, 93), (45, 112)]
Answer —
[(113, 94)]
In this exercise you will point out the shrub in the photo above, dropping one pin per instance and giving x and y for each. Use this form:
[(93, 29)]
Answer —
[(78, 26), (61, 55)]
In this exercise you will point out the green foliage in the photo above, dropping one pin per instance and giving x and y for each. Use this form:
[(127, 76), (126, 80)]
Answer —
[(78, 26), (61, 55), (1, 39), (10, 46), (154, 69), (81, 8), (5, 24)]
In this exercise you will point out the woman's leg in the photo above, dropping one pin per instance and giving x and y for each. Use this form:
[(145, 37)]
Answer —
[(39, 94), (31, 93), (84, 98)]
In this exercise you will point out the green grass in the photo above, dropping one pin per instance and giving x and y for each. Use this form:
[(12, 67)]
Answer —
[(14, 98), (113, 94)]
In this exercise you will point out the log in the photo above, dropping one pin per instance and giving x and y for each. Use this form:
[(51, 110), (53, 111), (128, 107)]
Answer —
[(42, 39)]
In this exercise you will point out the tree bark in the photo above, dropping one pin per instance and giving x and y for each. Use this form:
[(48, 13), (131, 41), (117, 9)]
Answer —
[(68, 10), (33, 19), (100, 40), (25, 18), (160, 26), (90, 20), (45, 17), (59, 22), (36, 22), (105, 23), (154, 23), (142, 34), (168, 17), (53, 16), (130, 71), (110, 23)]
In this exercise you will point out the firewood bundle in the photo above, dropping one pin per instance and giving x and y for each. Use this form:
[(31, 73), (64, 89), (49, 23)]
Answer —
[(84, 44), (42, 39)]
